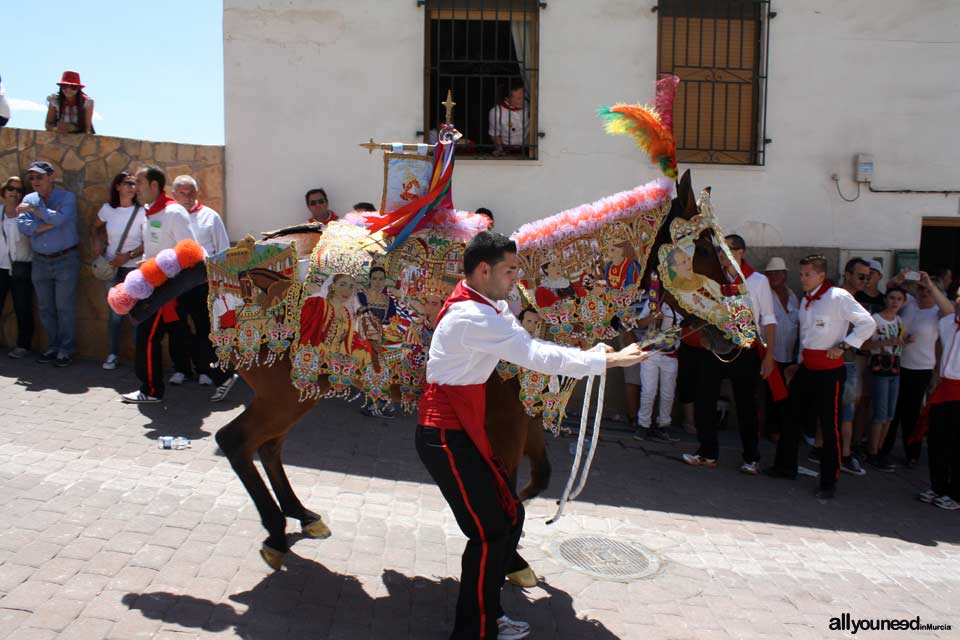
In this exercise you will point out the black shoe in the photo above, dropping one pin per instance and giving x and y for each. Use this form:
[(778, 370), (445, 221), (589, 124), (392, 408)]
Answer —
[(825, 494), (661, 435), (815, 454), (774, 472), (62, 361), (47, 357), (881, 463)]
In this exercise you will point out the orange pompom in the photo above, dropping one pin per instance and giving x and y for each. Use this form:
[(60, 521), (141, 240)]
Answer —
[(189, 253), (152, 273)]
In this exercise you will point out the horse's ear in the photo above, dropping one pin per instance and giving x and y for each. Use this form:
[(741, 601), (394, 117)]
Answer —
[(688, 201)]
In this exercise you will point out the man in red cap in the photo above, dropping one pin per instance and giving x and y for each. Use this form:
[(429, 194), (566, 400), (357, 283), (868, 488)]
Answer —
[(475, 330)]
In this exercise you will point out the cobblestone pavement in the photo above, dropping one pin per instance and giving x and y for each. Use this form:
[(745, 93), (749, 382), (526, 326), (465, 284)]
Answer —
[(103, 535)]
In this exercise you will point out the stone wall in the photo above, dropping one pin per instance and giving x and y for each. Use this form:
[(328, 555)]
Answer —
[(85, 165)]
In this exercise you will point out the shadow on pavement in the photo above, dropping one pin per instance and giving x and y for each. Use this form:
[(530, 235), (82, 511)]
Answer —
[(307, 600)]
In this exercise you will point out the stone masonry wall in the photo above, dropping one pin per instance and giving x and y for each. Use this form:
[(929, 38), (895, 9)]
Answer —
[(85, 165)]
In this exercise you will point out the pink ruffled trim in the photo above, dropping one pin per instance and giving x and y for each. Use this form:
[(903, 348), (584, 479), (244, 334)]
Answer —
[(458, 225), (589, 218)]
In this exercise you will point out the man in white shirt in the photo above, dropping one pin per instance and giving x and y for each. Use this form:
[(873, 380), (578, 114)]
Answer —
[(744, 372), (510, 122), (786, 308), (194, 346), (826, 313), (167, 223), (475, 330)]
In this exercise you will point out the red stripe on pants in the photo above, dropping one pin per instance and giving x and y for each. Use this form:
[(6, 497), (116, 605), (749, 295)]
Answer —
[(153, 331), (483, 535)]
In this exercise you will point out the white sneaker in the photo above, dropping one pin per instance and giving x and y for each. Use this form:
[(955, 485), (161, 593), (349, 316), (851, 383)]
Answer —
[(178, 378), (111, 362), (946, 502), (224, 388), (204, 380), (750, 468), (508, 629), (138, 397)]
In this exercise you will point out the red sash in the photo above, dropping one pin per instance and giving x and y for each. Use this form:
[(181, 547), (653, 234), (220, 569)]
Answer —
[(463, 408), (817, 360), (948, 390)]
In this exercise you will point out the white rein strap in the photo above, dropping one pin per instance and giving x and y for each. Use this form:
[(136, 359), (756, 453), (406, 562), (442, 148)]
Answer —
[(569, 493)]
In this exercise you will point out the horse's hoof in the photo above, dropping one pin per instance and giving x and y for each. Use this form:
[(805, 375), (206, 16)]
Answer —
[(316, 529), (272, 557), (525, 578)]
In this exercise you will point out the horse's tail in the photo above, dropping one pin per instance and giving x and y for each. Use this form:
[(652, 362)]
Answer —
[(535, 449)]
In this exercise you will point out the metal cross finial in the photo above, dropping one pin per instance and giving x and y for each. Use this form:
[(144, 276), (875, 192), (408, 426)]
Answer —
[(370, 146), (449, 104)]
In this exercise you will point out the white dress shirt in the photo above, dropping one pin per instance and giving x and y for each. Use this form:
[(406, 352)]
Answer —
[(209, 229), (950, 347), (164, 229), (473, 337), (761, 299), (824, 324), (787, 327)]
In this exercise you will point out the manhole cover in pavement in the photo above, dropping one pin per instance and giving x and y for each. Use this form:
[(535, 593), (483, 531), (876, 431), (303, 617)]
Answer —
[(606, 558)]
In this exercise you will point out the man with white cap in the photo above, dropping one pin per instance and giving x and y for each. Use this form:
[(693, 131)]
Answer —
[(786, 308)]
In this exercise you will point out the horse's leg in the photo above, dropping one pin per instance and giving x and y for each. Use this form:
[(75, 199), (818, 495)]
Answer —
[(238, 440), (310, 523), (535, 448)]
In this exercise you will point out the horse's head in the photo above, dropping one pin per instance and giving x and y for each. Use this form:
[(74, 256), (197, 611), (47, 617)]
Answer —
[(707, 267)]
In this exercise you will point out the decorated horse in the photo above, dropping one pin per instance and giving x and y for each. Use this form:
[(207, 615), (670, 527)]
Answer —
[(301, 335)]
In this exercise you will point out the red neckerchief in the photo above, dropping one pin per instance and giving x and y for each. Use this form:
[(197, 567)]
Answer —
[(196, 208), (506, 105), (825, 286), (160, 204), (747, 271), (461, 293)]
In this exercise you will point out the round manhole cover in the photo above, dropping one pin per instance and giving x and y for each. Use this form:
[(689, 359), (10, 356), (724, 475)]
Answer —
[(606, 558)]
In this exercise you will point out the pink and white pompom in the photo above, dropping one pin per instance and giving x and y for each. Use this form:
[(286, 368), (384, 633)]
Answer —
[(168, 262), (588, 218), (137, 286), (119, 300)]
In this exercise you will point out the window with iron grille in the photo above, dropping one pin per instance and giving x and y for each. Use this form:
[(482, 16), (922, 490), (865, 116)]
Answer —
[(718, 49), (486, 52)]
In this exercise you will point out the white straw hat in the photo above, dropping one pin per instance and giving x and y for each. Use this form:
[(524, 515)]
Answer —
[(776, 264)]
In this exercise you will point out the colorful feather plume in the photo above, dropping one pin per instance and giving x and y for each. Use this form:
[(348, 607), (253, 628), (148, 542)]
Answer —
[(651, 128)]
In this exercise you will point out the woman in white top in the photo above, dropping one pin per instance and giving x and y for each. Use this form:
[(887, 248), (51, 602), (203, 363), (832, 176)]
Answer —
[(112, 219), (920, 315), (886, 347), (15, 266)]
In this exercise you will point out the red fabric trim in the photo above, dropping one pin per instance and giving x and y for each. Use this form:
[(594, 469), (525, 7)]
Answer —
[(160, 204), (484, 547), (506, 105), (817, 360), (461, 293), (818, 293), (196, 208), (228, 320), (778, 388), (947, 390), (168, 312)]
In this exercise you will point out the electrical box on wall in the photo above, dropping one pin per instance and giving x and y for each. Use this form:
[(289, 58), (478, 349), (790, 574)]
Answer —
[(864, 167)]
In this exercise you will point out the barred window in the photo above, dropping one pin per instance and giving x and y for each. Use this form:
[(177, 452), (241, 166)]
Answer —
[(718, 48), (486, 52)]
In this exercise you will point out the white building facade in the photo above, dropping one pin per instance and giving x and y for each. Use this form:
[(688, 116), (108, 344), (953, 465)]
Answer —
[(305, 82)]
